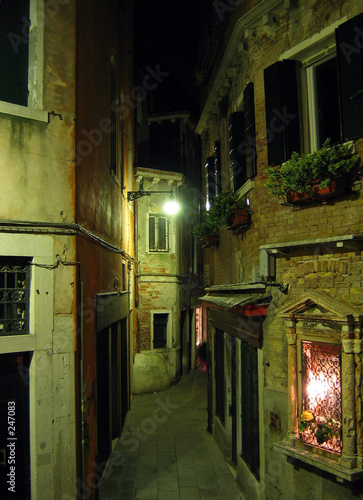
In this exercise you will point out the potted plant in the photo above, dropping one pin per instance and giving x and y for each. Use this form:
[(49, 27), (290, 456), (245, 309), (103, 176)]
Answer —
[(322, 174), (207, 233), (228, 210)]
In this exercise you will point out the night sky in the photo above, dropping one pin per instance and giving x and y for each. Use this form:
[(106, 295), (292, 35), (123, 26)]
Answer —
[(170, 30)]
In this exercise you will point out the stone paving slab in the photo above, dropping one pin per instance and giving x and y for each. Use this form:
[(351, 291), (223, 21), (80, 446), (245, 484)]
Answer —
[(165, 451)]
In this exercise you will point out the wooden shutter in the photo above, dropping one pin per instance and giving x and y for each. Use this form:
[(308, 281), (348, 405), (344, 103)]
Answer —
[(282, 117), (250, 130), (217, 166), (14, 51), (152, 242), (162, 232), (211, 178), (237, 159), (349, 40)]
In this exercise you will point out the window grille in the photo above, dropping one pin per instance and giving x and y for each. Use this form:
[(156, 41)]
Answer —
[(321, 417), (250, 414), (219, 374), (14, 295), (160, 330), (158, 234)]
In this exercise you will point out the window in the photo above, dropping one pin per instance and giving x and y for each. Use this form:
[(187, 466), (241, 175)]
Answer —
[(14, 51), (217, 167), (158, 234), (113, 118), (219, 374), (316, 93), (242, 140), (250, 414), (14, 295), (160, 329)]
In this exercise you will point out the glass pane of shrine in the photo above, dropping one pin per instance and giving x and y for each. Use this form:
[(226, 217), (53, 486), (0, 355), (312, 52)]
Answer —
[(321, 417)]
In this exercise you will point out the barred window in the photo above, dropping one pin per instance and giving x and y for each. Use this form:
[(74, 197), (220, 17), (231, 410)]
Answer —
[(158, 234), (14, 295)]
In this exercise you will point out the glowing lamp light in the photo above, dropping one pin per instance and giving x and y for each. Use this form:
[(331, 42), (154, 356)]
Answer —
[(171, 207)]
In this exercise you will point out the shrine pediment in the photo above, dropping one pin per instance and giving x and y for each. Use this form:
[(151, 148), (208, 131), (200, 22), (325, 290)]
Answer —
[(318, 305)]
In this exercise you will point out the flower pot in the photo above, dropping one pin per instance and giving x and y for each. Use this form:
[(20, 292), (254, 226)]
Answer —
[(210, 241), (333, 189), (239, 218)]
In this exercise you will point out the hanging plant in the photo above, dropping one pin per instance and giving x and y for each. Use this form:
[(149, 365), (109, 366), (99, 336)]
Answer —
[(223, 208), (303, 177)]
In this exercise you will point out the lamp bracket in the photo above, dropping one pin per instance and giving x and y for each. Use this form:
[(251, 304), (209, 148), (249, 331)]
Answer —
[(135, 195)]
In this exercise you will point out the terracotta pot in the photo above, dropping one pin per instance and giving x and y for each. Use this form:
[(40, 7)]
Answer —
[(210, 241), (240, 217), (333, 189)]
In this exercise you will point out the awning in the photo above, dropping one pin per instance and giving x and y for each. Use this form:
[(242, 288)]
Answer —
[(243, 322), (228, 301)]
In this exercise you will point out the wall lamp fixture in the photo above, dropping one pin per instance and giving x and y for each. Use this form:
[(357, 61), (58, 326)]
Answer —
[(171, 206)]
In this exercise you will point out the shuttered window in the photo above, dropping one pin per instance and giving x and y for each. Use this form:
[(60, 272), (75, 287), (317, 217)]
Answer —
[(14, 51), (242, 140), (158, 234), (237, 160), (331, 99), (250, 413), (349, 42), (281, 105)]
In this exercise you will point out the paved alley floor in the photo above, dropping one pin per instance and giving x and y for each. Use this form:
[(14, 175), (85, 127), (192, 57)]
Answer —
[(165, 451)]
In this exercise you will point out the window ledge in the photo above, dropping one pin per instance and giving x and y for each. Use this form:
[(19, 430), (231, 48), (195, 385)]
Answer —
[(247, 186), (8, 108), (323, 463)]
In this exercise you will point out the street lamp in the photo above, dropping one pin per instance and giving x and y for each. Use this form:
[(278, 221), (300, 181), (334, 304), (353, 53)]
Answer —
[(171, 206)]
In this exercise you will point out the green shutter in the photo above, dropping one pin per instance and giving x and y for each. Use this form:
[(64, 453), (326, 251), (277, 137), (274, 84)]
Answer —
[(349, 40)]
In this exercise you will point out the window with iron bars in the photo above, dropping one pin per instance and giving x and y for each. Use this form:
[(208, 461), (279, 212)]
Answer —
[(160, 327), (14, 295), (321, 416)]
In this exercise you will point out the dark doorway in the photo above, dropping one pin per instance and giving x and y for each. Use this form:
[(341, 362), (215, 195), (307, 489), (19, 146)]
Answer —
[(103, 396), (125, 379), (14, 425)]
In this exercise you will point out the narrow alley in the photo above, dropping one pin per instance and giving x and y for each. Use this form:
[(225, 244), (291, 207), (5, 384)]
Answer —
[(165, 451)]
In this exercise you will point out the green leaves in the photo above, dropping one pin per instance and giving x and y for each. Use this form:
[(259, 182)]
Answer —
[(301, 172)]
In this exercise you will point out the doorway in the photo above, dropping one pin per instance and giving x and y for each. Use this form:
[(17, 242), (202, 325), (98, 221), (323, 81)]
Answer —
[(14, 425)]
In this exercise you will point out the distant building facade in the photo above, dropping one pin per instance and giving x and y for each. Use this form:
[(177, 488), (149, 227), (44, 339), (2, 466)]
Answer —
[(283, 295)]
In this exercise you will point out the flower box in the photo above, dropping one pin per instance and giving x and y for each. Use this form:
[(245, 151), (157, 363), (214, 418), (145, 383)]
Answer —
[(239, 218), (333, 189), (210, 241)]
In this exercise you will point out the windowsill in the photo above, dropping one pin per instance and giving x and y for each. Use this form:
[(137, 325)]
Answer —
[(18, 343), (319, 462), (247, 186), (8, 108)]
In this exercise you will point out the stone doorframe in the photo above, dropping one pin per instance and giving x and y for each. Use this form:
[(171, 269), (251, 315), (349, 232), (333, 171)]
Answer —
[(326, 319)]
